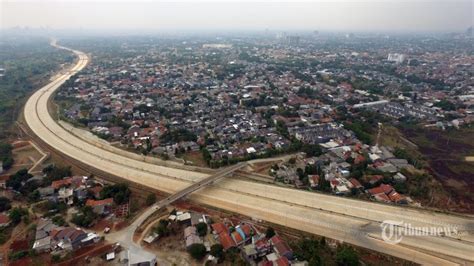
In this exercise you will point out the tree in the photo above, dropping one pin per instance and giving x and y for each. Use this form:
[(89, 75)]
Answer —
[(150, 199), (119, 192), (217, 250), (197, 251), (58, 220), (162, 228), (347, 256), (5, 204), (54, 172), (6, 155), (85, 217), (201, 229), (16, 214), (270, 232), (312, 150), (16, 180)]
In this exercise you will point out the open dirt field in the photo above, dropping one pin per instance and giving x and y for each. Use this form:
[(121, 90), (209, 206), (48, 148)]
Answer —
[(446, 153)]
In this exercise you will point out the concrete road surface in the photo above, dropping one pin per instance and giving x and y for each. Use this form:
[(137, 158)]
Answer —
[(348, 220)]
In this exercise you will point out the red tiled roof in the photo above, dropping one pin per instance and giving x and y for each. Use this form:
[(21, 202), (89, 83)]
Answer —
[(219, 228), (60, 183), (247, 229), (386, 188), (355, 182), (282, 248), (395, 197), (261, 243), (376, 178), (96, 190), (280, 245), (281, 261), (4, 219), (382, 197), (276, 239), (226, 241), (92, 203), (237, 237)]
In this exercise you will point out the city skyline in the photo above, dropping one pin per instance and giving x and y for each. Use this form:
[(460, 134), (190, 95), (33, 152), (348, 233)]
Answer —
[(370, 16)]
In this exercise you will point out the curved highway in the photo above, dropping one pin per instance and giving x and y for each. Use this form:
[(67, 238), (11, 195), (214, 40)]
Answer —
[(348, 220)]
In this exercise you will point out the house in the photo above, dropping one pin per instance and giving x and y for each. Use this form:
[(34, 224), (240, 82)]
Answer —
[(151, 238), (44, 229), (191, 237), (313, 181), (69, 238), (399, 178), (281, 261), (281, 248), (226, 241), (375, 179), (96, 191), (386, 193), (263, 246), (355, 183), (218, 228), (66, 195), (249, 253), (46, 192), (3, 181), (4, 220), (43, 244), (57, 184), (183, 218), (101, 207), (237, 237), (137, 257)]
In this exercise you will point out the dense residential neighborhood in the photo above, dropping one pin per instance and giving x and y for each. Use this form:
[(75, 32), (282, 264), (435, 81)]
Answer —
[(203, 129)]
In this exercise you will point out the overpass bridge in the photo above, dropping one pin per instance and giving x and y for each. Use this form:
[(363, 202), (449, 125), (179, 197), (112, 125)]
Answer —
[(200, 184)]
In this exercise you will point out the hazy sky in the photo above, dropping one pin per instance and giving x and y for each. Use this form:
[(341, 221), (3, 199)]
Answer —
[(338, 15)]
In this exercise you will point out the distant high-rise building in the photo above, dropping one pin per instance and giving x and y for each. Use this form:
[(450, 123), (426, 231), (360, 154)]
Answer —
[(469, 32), (350, 35), (397, 58), (293, 40)]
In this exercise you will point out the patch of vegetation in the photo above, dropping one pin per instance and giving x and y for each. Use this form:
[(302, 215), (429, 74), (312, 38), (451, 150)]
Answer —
[(85, 217), (6, 156), (5, 204), (54, 172), (446, 105), (217, 250), (17, 180), (58, 220), (119, 192), (178, 135), (270, 232), (27, 61), (162, 228), (361, 129), (201, 229), (347, 256), (197, 251), (150, 199), (17, 213)]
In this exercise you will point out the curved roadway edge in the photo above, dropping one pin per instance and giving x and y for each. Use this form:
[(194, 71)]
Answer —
[(348, 220)]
